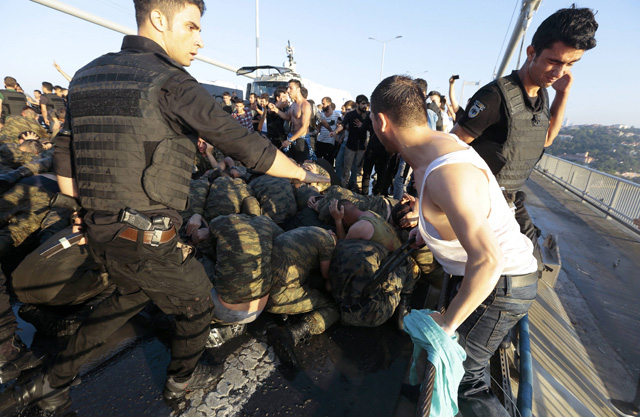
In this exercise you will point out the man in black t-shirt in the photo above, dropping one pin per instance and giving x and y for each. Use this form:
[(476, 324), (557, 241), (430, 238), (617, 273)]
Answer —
[(358, 123), (509, 122)]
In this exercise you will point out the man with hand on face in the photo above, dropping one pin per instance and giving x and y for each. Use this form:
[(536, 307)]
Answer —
[(137, 115), (509, 121)]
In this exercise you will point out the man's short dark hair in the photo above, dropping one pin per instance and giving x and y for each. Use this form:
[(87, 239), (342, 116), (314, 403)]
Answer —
[(327, 99), (169, 8), (296, 82), (47, 85), (10, 82), (422, 83), (265, 96), (57, 88), (31, 146), (253, 94), (226, 94), (401, 100), (279, 91), (572, 26), (37, 91), (28, 112), (362, 99), (304, 92)]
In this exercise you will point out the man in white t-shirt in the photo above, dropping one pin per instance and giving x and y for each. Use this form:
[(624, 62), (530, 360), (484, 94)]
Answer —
[(325, 144), (469, 227)]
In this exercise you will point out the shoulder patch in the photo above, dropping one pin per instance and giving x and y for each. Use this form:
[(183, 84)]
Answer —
[(475, 109)]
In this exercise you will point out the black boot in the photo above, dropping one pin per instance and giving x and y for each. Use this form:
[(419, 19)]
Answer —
[(218, 336), (402, 310), (285, 338), (38, 391), (204, 376), (15, 358)]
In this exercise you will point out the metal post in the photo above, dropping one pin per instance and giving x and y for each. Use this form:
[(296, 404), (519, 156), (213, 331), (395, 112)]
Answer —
[(257, 38)]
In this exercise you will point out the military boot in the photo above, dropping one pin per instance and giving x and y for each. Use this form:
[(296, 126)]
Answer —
[(285, 338), (219, 335), (39, 391), (204, 376), (402, 310), (8, 179), (15, 358)]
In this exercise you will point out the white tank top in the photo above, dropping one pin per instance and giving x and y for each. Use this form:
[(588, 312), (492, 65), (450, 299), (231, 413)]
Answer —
[(517, 249)]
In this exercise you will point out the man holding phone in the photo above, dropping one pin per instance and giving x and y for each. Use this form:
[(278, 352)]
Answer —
[(509, 121)]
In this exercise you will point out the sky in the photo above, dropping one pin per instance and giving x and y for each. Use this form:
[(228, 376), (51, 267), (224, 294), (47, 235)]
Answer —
[(439, 38)]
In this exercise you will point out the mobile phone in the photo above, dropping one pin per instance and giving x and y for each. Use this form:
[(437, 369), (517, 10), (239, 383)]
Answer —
[(455, 77)]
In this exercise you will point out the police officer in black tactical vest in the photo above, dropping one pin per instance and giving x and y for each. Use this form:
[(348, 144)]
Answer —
[(11, 101), (136, 116), (509, 121)]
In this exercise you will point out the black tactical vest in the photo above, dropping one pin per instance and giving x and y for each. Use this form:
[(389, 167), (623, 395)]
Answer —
[(13, 102), (434, 108), (55, 103), (126, 155), (512, 161)]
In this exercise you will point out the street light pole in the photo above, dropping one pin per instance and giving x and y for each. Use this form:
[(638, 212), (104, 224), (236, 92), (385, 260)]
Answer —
[(384, 44)]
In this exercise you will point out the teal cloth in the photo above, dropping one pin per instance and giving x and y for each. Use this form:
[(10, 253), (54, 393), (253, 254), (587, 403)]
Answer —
[(444, 353)]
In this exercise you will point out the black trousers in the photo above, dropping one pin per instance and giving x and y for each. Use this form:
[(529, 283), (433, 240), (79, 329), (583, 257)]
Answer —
[(144, 273), (378, 157)]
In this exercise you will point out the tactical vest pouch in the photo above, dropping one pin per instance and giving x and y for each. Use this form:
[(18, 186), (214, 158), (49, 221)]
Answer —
[(166, 179)]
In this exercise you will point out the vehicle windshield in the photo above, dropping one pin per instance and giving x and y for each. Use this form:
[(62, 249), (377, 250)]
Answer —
[(268, 87)]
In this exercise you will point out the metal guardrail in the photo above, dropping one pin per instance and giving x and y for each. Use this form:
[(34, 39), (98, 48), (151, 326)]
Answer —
[(617, 197)]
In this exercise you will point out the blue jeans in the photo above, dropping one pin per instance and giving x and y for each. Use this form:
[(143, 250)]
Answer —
[(340, 159), (399, 182), (480, 336)]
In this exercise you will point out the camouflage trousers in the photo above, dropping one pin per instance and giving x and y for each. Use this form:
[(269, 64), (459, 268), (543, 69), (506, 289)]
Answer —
[(299, 298)]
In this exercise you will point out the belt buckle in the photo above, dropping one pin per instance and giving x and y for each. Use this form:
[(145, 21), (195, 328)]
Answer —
[(156, 237)]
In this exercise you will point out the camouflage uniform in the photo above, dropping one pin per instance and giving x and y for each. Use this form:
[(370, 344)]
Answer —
[(352, 268), (14, 125), (296, 254), (242, 246), (376, 204), (275, 196), (22, 210), (11, 157), (226, 196), (303, 192), (198, 193), (317, 169)]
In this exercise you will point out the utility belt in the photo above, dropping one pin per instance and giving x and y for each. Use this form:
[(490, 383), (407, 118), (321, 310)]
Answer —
[(155, 230), (511, 281)]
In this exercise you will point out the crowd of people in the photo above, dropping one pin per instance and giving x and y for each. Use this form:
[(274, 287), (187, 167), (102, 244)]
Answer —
[(216, 212)]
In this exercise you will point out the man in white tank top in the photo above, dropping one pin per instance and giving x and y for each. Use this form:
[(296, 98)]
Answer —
[(467, 224)]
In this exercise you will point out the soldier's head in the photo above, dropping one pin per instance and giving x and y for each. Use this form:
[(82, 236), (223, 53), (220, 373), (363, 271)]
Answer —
[(31, 146), (58, 90), (351, 212), (10, 82), (47, 87), (29, 113), (173, 24), (558, 43), (396, 103)]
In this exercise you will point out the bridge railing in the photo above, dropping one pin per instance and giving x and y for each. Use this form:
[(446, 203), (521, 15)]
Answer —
[(617, 197)]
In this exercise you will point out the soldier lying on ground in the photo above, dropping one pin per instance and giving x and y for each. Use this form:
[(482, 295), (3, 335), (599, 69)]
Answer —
[(15, 125)]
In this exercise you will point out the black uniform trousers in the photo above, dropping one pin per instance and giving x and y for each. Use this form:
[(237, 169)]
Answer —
[(144, 273), (379, 157)]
